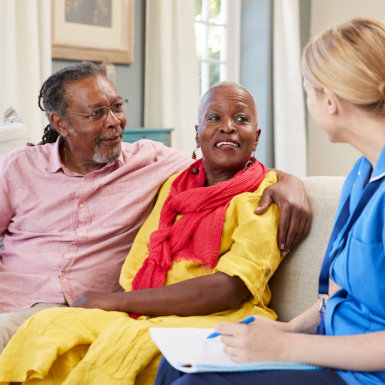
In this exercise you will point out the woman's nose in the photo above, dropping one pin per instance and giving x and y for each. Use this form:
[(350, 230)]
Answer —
[(228, 126)]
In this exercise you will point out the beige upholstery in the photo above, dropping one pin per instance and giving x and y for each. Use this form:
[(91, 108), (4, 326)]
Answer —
[(13, 133), (12, 137), (295, 284)]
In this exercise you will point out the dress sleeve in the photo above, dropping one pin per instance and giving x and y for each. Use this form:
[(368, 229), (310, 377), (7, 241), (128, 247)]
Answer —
[(139, 249), (249, 242)]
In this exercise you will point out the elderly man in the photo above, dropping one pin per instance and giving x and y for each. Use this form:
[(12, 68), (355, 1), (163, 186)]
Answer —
[(70, 209)]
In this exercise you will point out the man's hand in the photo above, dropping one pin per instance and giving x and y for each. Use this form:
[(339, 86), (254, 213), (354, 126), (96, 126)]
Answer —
[(294, 210)]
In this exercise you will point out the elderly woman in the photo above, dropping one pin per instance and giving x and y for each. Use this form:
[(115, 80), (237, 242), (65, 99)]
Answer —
[(344, 78), (201, 257)]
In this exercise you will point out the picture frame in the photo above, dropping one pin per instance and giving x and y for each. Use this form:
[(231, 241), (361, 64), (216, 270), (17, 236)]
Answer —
[(101, 31)]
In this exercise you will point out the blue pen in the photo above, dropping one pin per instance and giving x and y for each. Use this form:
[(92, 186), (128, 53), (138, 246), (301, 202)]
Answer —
[(245, 321)]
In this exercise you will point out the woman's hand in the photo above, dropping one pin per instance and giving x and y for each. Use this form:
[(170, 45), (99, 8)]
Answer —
[(294, 210), (267, 340), (261, 340), (99, 300)]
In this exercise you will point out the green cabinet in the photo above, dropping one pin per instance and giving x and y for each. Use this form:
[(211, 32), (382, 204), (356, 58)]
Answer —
[(159, 134)]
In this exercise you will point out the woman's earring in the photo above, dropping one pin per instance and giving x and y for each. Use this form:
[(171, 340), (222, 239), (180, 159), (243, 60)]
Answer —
[(194, 170), (194, 155), (250, 162)]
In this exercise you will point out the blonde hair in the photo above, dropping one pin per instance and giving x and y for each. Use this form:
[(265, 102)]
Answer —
[(349, 60)]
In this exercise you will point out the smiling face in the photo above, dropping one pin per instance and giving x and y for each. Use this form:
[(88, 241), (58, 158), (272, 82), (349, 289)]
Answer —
[(98, 142), (227, 131)]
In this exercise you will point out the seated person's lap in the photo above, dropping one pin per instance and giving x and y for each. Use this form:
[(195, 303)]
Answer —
[(10, 322), (168, 375)]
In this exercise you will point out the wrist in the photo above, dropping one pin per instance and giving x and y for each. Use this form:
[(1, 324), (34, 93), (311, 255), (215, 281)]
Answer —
[(293, 326), (307, 322), (295, 347), (121, 302), (286, 346)]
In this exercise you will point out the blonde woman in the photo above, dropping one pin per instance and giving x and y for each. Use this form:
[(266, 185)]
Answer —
[(344, 78)]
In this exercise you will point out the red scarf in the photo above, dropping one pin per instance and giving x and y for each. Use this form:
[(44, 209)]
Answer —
[(197, 234)]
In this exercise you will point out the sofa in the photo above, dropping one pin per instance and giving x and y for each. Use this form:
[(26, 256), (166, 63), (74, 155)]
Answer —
[(294, 286), (13, 133)]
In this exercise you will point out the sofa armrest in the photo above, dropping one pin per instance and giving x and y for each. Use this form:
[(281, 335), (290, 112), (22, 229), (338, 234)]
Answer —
[(294, 286)]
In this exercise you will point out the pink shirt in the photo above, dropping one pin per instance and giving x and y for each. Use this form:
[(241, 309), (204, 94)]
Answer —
[(65, 233)]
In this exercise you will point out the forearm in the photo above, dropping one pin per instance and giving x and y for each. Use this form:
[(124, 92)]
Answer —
[(267, 340), (307, 321), (202, 295), (363, 352), (198, 296), (358, 352)]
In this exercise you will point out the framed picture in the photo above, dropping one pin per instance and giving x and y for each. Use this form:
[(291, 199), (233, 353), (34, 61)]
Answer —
[(95, 30)]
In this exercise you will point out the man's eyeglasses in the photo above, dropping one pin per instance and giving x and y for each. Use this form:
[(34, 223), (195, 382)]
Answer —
[(102, 112)]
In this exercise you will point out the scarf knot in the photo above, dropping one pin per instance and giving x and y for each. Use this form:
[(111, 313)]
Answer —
[(197, 234)]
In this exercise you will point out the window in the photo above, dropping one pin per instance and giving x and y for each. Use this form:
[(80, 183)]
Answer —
[(217, 35)]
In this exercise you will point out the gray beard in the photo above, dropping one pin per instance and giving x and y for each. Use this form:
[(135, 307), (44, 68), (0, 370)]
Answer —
[(99, 157)]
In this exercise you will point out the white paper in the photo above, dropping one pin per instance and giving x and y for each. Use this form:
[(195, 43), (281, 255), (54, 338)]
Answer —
[(189, 346), (189, 350)]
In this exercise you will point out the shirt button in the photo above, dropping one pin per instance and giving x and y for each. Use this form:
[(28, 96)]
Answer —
[(267, 272), (62, 274), (81, 205), (72, 248)]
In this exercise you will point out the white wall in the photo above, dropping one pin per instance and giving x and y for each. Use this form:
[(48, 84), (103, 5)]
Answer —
[(325, 158)]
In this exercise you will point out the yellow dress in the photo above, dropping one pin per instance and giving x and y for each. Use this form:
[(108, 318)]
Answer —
[(91, 346)]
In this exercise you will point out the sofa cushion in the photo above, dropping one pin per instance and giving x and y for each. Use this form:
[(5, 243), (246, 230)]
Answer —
[(13, 133), (295, 284)]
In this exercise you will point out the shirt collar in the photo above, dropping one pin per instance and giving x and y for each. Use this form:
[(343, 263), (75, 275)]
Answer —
[(55, 163), (379, 168), (120, 161)]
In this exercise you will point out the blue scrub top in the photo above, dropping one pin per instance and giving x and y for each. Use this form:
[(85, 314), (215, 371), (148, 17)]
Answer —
[(359, 307)]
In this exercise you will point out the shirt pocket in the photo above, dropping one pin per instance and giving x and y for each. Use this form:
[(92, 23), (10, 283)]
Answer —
[(366, 273)]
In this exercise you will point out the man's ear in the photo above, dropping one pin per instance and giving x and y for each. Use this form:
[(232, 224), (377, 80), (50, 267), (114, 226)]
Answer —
[(59, 123), (197, 141), (331, 100)]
